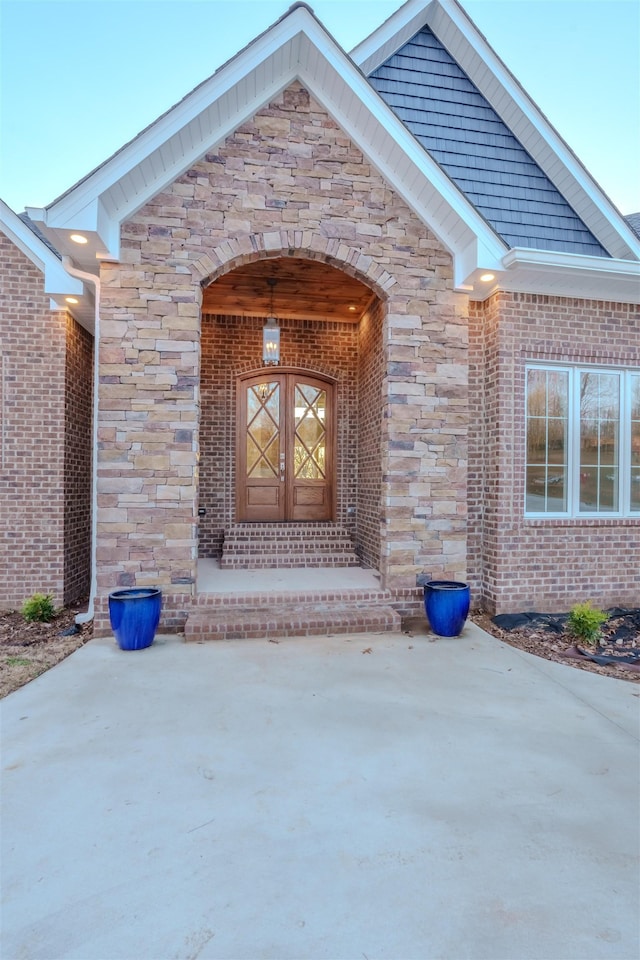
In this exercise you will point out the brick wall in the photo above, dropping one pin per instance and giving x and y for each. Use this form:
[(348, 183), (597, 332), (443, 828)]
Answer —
[(289, 182), (45, 440), (77, 461), (32, 348), (371, 371), (543, 564)]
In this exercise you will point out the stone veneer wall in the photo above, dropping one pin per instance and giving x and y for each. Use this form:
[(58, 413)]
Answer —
[(542, 564), (233, 345), (32, 382), (287, 182), (77, 461)]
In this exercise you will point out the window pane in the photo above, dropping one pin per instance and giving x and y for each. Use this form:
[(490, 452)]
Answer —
[(599, 442), (635, 443), (546, 470)]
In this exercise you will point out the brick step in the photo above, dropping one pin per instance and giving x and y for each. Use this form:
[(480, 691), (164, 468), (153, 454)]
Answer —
[(290, 620), (289, 537), (319, 544), (258, 546), (277, 561), (281, 525), (319, 595)]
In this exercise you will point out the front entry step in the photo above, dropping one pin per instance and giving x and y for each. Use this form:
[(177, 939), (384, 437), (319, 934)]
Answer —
[(257, 546), (319, 619)]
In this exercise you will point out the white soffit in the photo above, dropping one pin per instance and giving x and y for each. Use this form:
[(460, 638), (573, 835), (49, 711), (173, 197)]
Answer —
[(296, 47), (469, 48), (563, 275), (57, 282)]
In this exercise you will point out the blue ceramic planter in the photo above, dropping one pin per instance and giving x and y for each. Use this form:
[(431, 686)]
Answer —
[(134, 616), (446, 604)]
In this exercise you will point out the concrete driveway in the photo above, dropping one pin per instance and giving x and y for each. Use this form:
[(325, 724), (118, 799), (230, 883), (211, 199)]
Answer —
[(364, 797)]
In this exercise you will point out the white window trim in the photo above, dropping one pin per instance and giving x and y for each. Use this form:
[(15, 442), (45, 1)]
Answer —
[(573, 511)]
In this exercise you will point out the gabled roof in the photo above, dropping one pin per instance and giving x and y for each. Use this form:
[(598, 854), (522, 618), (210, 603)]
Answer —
[(297, 47), (459, 128), (633, 219), (26, 236)]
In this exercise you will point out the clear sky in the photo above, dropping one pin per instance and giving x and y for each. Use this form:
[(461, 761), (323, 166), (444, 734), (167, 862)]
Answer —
[(79, 78)]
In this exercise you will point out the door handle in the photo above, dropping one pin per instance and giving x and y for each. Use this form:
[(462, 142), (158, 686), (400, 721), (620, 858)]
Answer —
[(282, 468)]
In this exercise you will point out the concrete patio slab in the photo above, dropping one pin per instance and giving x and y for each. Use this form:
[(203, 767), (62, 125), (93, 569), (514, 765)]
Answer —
[(356, 797)]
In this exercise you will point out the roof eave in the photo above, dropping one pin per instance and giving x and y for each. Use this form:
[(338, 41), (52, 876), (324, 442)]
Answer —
[(494, 80), (565, 275), (57, 283), (296, 47)]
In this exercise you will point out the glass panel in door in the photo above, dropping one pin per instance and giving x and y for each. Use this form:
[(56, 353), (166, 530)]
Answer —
[(310, 442)]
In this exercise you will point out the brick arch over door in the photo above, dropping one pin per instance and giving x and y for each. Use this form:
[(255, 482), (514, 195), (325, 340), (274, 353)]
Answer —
[(234, 253), (352, 354)]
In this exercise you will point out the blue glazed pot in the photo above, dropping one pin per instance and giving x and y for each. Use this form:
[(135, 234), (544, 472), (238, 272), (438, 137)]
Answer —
[(446, 604), (134, 616)]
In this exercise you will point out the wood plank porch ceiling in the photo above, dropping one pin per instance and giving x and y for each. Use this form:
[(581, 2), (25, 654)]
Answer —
[(303, 290)]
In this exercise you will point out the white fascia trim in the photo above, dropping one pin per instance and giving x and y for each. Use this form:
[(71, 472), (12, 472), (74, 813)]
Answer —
[(476, 256), (62, 212), (566, 262), (387, 39), (187, 160), (474, 50), (355, 83), (57, 281), (477, 47), (620, 279), (300, 26)]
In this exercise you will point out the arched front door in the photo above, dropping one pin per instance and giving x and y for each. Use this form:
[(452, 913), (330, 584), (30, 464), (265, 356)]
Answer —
[(285, 451)]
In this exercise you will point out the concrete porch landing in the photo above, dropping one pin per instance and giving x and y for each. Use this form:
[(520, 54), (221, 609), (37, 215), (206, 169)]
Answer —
[(299, 601), (211, 579)]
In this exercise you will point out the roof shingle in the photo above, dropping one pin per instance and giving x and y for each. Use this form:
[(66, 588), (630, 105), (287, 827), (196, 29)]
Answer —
[(454, 122)]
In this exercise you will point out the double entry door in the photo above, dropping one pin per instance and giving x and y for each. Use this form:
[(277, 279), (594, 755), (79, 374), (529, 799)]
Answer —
[(285, 448)]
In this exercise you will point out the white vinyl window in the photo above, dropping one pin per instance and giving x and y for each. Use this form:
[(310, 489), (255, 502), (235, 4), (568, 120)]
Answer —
[(582, 442)]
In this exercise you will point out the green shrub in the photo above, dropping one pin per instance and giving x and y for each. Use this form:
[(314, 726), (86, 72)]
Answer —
[(39, 607), (585, 621)]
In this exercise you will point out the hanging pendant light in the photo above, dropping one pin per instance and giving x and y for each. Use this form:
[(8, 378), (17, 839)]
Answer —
[(271, 334)]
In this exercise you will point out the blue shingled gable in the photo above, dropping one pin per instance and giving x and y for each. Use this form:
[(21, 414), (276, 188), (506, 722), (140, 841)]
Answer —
[(442, 108)]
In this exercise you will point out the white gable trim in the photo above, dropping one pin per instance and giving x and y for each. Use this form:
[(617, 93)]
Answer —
[(57, 282), (391, 35), (469, 48), (296, 47)]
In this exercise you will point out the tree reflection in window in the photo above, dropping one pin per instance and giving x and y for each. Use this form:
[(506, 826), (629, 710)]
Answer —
[(547, 424), (599, 449), (310, 438)]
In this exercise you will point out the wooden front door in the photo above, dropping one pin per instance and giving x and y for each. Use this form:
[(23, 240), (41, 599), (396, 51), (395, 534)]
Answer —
[(285, 450)]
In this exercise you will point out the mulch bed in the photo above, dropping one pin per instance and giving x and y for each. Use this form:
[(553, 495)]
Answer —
[(546, 635), (29, 649)]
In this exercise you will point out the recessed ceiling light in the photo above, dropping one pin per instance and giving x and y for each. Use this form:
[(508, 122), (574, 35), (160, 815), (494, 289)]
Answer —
[(72, 300), (487, 277), (352, 309), (78, 238)]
